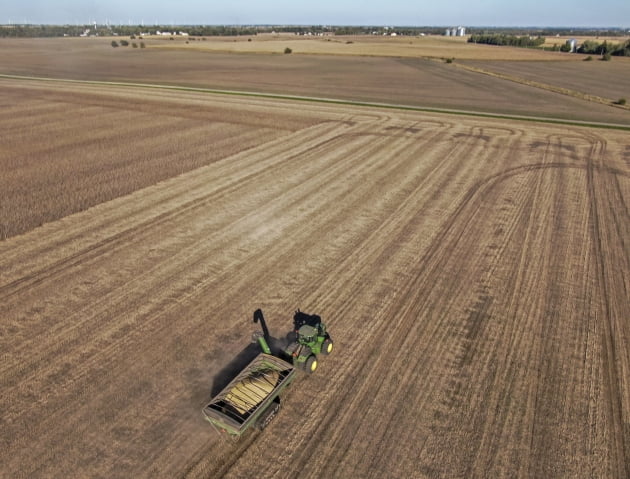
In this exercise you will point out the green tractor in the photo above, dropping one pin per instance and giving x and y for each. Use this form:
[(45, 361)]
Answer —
[(308, 339)]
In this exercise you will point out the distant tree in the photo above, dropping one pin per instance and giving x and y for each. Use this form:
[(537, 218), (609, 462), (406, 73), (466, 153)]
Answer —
[(134, 45), (124, 43), (606, 57), (114, 43), (622, 50), (288, 50), (565, 47), (142, 45), (588, 59), (588, 46), (621, 101)]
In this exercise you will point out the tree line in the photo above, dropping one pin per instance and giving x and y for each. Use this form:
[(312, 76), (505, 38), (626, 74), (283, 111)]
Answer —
[(39, 31), (605, 48), (510, 40), (205, 30)]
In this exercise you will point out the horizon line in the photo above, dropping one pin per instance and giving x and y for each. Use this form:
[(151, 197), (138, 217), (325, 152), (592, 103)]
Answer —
[(324, 25)]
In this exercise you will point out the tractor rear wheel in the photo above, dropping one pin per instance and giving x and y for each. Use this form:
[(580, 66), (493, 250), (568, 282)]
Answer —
[(311, 364), (327, 346)]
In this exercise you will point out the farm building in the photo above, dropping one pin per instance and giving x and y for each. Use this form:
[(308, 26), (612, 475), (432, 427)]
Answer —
[(455, 32)]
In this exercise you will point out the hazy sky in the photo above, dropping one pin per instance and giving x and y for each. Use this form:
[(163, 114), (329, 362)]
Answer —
[(579, 13)]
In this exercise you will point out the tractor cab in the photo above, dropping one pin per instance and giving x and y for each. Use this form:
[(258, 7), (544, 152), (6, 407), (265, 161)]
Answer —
[(307, 335), (300, 320)]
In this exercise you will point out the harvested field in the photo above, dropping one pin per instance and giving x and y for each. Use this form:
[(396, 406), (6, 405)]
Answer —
[(413, 81), (605, 79), (433, 46), (67, 149), (474, 274)]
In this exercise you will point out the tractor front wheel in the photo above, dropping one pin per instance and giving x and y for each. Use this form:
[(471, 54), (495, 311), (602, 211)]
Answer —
[(327, 346), (311, 364)]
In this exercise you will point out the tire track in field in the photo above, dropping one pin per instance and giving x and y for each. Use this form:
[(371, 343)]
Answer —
[(102, 306), (108, 352), (365, 275), (118, 345), (403, 348), (496, 179), (146, 227), (601, 219), (397, 352), (351, 206), (504, 390), (105, 303), (345, 426), (506, 383), (315, 282), (308, 288)]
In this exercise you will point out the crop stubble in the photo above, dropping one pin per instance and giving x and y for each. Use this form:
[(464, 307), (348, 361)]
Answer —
[(474, 274), (112, 145)]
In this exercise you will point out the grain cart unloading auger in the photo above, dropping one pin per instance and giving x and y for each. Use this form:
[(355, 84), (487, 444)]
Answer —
[(252, 398)]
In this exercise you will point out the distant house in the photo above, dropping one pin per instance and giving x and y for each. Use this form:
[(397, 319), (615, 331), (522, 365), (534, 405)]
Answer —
[(572, 43)]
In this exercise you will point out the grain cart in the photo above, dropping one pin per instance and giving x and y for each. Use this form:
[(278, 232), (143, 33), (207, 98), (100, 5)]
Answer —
[(252, 398)]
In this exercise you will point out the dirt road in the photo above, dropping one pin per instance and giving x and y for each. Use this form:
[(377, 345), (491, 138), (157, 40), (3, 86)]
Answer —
[(474, 274)]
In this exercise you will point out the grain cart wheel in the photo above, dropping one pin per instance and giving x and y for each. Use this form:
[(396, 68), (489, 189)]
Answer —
[(311, 364), (327, 346)]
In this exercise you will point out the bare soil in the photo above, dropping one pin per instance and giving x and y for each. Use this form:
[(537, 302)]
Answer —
[(606, 79), (412, 80), (473, 273)]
